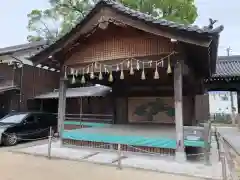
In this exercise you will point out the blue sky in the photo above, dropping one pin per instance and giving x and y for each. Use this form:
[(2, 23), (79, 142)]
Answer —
[(13, 15), (14, 20)]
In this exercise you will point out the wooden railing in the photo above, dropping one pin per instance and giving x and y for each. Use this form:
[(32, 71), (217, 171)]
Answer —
[(230, 159), (204, 133), (100, 118), (221, 118)]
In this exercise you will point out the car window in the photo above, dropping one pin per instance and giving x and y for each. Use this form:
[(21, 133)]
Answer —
[(16, 118), (42, 119), (31, 119)]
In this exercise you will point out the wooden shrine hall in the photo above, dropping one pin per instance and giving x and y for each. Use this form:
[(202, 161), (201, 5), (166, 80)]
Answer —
[(155, 69)]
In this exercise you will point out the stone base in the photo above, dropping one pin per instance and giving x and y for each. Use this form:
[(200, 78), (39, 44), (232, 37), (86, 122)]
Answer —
[(180, 156), (124, 147)]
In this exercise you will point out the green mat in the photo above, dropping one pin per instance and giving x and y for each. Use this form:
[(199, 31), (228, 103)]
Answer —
[(128, 140)]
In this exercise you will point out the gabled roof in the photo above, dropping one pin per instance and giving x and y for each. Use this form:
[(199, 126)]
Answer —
[(148, 18), (22, 47), (189, 32), (228, 66)]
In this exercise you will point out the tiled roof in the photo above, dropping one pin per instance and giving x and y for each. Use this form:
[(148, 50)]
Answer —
[(134, 14), (78, 92), (22, 47), (148, 18), (228, 66)]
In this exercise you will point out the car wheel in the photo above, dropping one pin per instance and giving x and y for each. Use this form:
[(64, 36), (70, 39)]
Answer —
[(10, 140)]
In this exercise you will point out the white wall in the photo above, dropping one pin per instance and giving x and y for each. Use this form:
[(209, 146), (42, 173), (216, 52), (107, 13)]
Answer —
[(220, 102)]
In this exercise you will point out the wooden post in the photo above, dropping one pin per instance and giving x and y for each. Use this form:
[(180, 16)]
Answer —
[(224, 167), (41, 105), (233, 118), (206, 135), (238, 121), (119, 157), (49, 143), (180, 150), (61, 106), (217, 141), (238, 110), (81, 112)]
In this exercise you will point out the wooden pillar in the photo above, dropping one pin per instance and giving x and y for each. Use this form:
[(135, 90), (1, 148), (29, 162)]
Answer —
[(178, 99), (238, 112), (194, 122), (202, 109), (61, 105), (121, 110), (207, 141), (233, 117), (238, 101), (41, 105)]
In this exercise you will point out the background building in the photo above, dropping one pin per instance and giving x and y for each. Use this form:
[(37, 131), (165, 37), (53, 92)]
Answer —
[(20, 80)]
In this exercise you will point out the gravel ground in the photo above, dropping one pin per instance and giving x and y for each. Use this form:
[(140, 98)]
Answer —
[(26, 167)]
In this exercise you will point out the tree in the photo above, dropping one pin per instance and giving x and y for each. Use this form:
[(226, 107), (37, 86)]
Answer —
[(44, 24), (54, 22)]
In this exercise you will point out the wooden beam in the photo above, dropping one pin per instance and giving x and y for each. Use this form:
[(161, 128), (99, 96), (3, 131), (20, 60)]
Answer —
[(62, 103), (111, 60), (178, 99)]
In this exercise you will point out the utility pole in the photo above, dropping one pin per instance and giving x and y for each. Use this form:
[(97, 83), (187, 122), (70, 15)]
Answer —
[(232, 108), (231, 94), (228, 51)]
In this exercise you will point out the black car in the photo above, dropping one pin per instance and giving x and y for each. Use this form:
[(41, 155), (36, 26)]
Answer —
[(24, 126)]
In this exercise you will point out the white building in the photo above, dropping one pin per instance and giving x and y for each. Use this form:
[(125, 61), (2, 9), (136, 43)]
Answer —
[(221, 102)]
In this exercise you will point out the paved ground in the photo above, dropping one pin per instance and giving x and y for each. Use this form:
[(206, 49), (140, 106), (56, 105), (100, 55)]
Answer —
[(232, 135), (26, 167), (23, 145), (162, 164), (13, 164)]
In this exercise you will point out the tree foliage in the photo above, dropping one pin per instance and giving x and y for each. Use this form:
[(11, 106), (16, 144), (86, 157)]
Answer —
[(54, 22), (44, 24)]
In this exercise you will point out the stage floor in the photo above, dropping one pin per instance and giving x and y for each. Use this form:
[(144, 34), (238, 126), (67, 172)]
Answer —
[(154, 135)]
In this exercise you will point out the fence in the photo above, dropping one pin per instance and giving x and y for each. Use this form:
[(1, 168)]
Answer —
[(204, 133), (229, 158), (120, 149), (222, 118), (123, 150)]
